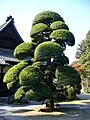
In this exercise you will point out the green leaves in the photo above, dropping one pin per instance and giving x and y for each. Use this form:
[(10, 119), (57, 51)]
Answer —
[(47, 17), (13, 73), (67, 75), (39, 28), (30, 76), (58, 25), (62, 35), (24, 50), (42, 92), (47, 50), (20, 93)]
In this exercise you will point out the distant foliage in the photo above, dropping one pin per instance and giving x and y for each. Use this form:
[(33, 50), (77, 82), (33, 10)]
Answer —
[(83, 53), (83, 56)]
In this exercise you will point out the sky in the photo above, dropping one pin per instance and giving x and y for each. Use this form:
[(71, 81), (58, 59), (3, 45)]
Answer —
[(76, 14)]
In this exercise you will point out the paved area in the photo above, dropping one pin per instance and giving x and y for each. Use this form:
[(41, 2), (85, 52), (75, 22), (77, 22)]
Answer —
[(85, 96), (67, 111)]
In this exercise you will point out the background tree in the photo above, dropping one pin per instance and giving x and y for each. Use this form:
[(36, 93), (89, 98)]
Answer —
[(83, 54), (82, 70), (49, 37)]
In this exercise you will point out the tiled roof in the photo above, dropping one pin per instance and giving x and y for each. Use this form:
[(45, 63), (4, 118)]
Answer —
[(7, 55), (9, 36), (3, 62), (9, 19), (5, 24)]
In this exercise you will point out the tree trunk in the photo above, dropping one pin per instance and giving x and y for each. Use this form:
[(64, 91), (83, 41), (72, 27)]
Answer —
[(50, 104), (50, 101)]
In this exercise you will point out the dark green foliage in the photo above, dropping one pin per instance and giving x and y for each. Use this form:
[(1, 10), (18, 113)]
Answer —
[(47, 17), (24, 50), (42, 92), (30, 76), (38, 64), (77, 88), (69, 80), (13, 73), (63, 36), (20, 93), (38, 94), (58, 25), (47, 50), (39, 28), (31, 95), (10, 85), (67, 75), (38, 39), (62, 60)]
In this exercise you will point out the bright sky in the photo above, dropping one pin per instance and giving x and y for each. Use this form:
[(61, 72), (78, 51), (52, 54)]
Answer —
[(76, 14)]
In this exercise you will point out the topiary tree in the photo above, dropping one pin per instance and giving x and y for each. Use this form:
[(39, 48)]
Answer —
[(49, 37)]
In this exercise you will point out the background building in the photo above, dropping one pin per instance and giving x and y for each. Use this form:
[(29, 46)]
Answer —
[(9, 39)]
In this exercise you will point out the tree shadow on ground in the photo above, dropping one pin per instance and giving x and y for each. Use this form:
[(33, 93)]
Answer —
[(64, 113), (88, 103), (22, 110)]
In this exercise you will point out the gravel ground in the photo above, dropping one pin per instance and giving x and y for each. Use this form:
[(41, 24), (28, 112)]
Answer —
[(75, 110)]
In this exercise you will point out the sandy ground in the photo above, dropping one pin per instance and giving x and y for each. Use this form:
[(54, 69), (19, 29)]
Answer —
[(74, 110)]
